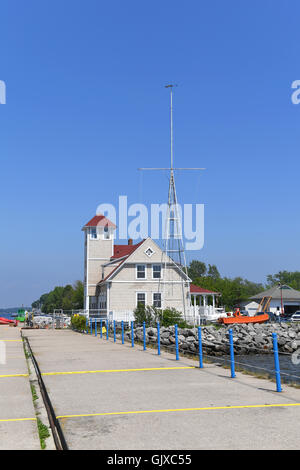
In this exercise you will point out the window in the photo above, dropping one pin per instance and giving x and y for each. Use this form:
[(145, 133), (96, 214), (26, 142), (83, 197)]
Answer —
[(93, 233), (149, 252), (141, 299), (156, 271), (141, 271), (157, 299), (106, 234)]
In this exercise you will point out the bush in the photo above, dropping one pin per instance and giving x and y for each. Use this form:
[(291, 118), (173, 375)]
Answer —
[(78, 322), (151, 315)]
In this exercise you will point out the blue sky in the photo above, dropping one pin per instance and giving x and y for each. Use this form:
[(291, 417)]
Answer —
[(86, 106)]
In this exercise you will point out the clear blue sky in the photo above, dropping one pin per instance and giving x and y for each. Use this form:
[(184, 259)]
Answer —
[(86, 106)]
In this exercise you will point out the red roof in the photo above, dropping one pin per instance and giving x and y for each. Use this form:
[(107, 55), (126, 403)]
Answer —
[(124, 250), (100, 220), (199, 290), (121, 251)]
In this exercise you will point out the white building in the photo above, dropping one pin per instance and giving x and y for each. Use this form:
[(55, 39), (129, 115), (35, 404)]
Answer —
[(283, 295), (119, 277)]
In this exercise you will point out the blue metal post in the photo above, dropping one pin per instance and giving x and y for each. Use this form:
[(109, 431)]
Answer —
[(231, 354), (91, 326), (276, 361), (144, 335), (114, 331), (122, 332), (132, 335), (86, 325), (95, 326), (200, 348), (158, 338), (176, 343), (101, 334), (107, 329)]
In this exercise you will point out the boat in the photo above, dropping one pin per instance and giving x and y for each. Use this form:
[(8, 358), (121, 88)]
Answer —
[(238, 318), (7, 321)]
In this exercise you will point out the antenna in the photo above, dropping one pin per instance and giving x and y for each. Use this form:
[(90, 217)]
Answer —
[(173, 253)]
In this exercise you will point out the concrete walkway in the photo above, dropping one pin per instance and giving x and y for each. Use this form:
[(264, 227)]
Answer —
[(18, 429), (101, 404)]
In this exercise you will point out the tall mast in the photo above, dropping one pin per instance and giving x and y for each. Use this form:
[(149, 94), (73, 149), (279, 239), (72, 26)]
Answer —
[(173, 252)]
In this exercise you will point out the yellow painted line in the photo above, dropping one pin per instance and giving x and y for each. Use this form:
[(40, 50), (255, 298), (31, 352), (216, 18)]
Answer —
[(17, 419), (13, 375), (208, 408), (116, 370)]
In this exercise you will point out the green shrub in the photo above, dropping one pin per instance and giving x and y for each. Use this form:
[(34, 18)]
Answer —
[(78, 322), (151, 315)]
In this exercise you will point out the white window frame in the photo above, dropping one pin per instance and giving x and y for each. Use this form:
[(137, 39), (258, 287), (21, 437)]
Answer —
[(136, 297), (161, 271), (136, 271), (153, 293), (93, 229)]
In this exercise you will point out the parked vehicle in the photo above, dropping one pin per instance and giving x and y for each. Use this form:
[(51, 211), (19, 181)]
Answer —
[(296, 316)]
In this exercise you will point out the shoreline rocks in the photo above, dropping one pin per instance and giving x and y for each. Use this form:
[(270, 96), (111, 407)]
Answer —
[(248, 339)]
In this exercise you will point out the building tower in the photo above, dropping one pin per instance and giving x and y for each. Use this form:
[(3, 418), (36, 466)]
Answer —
[(98, 249)]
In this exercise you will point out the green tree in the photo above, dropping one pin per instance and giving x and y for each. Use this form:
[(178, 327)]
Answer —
[(196, 269)]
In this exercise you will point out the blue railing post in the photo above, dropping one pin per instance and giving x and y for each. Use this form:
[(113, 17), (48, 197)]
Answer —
[(144, 335), (200, 348), (91, 326), (176, 343), (132, 335), (231, 354), (114, 331), (101, 334), (122, 332), (86, 325), (276, 361), (107, 329), (95, 326), (158, 338)]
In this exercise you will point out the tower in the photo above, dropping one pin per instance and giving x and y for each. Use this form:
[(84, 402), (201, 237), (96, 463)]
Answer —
[(173, 241), (98, 249)]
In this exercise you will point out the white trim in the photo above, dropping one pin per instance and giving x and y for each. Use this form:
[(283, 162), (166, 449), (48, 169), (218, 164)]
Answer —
[(136, 272)]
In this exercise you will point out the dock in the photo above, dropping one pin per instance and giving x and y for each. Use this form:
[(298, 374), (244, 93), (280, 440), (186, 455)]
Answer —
[(106, 395)]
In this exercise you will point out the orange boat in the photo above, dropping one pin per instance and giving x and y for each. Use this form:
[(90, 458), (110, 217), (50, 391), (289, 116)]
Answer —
[(239, 318)]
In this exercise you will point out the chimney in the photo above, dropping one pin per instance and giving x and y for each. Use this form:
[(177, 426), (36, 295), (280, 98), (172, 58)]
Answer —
[(130, 241)]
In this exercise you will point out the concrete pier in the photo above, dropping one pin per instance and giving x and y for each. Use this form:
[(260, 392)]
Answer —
[(111, 396), (18, 428)]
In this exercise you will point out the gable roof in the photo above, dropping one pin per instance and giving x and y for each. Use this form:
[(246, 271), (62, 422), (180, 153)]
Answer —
[(199, 290), (288, 293), (124, 250), (99, 220)]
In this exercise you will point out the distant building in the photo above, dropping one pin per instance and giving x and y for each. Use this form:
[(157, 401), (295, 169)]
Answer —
[(290, 300)]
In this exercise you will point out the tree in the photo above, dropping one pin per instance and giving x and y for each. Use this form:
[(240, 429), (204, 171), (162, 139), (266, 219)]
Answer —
[(291, 278), (196, 269), (213, 271)]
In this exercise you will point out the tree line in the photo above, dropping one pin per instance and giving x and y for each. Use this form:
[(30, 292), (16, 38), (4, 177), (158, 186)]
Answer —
[(233, 290)]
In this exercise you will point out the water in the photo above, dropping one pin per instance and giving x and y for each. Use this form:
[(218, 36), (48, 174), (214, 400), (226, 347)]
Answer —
[(7, 315), (264, 364)]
